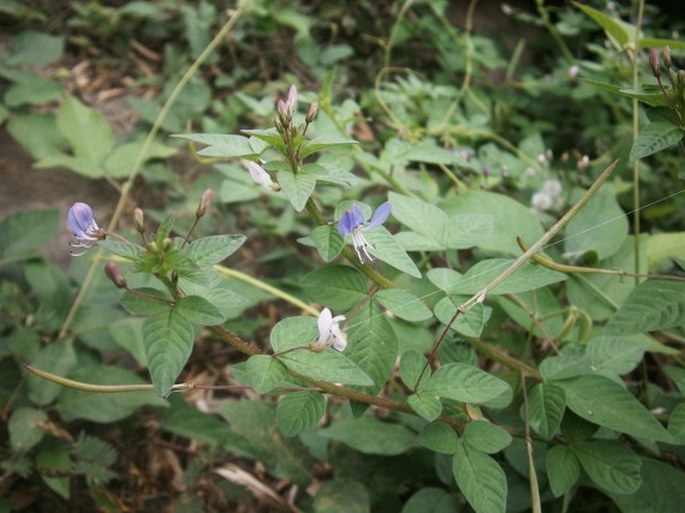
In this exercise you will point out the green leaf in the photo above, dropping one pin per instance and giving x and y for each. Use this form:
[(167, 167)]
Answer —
[(168, 340), (443, 278), (88, 133), (37, 133), (585, 292), (128, 334), (269, 135), (439, 437), (338, 287), (264, 373), (601, 226), (486, 436), (528, 277), (297, 187), (23, 233), (427, 406), (338, 496), (299, 411), (611, 465), (602, 401), (662, 490), (386, 248), (652, 305), (198, 311), (328, 242), (35, 48), (324, 142), (124, 249), (511, 218), (328, 365), (435, 500), (468, 230), (676, 424), (403, 304), (469, 324), (120, 162), (369, 435), (563, 469), (24, 429), (59, 358), (104, 408), (412, 363), (54, 460), (421, 216), (480, 479), (464, 383), (619, 32), (373, 345), (225, 146), (654, 138), (283, 458), (292, 332), (615, 355), (565, 365), (137, 305), (35, 90), (546, 404)]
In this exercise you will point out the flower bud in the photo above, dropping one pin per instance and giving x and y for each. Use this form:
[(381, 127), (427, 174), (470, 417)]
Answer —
[(113, 272), (205, 200), (168, 243), (139, 220), (654, 62), (667, 56), (311, 114)]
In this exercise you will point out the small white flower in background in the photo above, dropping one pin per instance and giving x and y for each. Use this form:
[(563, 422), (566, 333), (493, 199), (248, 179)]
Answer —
[(529, 172), (259, 175), (552, 187), (541, 201), (583, 162), (548, 197), (330, 334), (573, 71)]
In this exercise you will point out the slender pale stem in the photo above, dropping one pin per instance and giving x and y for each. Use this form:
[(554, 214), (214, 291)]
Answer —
[(635, 61), (142, 154), (259, 284), (516, 264)]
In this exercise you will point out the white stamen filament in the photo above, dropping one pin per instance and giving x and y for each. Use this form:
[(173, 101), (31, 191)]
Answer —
[(360, 245)]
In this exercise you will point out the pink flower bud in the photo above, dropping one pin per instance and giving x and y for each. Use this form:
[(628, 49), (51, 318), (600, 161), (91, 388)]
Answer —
[(113, 272), (205, 200)]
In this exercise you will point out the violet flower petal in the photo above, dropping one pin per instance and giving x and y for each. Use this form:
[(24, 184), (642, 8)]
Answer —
[(380, 215)]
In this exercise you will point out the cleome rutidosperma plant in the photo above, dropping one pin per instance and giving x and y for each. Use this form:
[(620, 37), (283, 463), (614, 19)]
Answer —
[(329, 366)]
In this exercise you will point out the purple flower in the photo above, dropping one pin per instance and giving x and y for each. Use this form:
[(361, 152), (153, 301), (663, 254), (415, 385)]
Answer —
[(352, 224), (82, 223), (330, 333)]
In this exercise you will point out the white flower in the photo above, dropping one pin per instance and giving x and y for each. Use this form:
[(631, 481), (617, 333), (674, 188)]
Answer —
[(541, 201), (258, 174), (552, 188), (330, 333), (573, 71)]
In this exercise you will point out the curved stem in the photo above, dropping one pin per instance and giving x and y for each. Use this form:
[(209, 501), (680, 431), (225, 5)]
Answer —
[(142, 154)]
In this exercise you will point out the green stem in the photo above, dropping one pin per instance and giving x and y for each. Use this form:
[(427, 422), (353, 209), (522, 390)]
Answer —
[(137, 165), (546, 237), (544, 15), (88, 387), (636, 133), (259, 284)]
